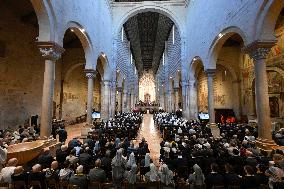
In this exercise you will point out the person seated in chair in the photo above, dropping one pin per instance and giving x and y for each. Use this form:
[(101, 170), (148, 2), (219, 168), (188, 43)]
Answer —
[(166, 175), (79, 179), (7, 171), (19, 175), (152, 175), (214, 178), (97, 174), (37, 175)]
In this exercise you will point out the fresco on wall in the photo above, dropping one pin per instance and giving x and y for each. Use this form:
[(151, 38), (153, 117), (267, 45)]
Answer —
[(275, 81), (274, 106)]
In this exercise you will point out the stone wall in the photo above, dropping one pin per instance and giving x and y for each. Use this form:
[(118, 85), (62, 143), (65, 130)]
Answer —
[(21, 70)]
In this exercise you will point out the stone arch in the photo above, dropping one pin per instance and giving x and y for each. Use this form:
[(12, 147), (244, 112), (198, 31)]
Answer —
[(268, 16), (229, 68), (84, 39), (46, 22), (276, 69), (146, 8), (69, 71), (193, 66), (103, 66), (219, 41)]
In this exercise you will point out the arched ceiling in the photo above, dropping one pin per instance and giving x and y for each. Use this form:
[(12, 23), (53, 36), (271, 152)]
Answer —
[(147, 33)]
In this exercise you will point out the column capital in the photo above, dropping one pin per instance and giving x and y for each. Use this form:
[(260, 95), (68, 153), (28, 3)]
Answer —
[(90, 73), (210, 72), (258, 50), (50, 50), (106, 83)]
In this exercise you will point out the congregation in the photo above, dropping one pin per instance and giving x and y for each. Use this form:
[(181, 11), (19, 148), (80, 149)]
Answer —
[(189, 157)]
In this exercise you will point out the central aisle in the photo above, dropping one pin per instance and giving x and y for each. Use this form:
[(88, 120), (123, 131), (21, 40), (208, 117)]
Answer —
[(152, 136)]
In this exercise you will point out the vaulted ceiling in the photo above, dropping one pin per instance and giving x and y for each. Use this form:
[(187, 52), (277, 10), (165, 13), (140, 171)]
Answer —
[(147, 33)]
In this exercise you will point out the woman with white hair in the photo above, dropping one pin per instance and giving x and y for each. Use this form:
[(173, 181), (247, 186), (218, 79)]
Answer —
[(152, 175), (166, 175), (197, 178)]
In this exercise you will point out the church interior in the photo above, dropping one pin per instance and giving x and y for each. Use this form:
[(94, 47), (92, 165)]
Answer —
[(142, 94)]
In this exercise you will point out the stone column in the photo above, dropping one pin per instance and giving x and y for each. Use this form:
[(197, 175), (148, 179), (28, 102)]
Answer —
[(51, 52), (119, 99), (124, 100), (129, 101), (105, 100), (258, 52), (192, 99), (90, 74), (210, 77), (112, 99), (176, 97)]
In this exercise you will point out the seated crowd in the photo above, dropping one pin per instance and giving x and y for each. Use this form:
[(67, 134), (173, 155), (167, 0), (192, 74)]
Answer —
[(232, 159), (189, 156)]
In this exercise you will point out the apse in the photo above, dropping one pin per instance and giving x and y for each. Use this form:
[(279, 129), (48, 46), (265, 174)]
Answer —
[(147, 87)]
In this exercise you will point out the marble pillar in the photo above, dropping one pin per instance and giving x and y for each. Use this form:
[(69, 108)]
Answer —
[(90, 74), (210, 78), (176, 97), (51, 52), (119, 99), (258, 52), (193, 107)]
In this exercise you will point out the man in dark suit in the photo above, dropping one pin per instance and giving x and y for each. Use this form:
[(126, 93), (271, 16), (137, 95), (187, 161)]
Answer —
[(45, 159), (61, 154), (214, 178), (85, 159), (97, 174), (79, 178)]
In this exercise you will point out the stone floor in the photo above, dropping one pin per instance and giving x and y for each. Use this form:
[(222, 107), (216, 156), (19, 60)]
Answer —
[(152, 136)]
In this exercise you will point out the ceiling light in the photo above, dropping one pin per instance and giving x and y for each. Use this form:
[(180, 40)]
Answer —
[(83, 30), (72, 30), (178, 70), (220, 35)]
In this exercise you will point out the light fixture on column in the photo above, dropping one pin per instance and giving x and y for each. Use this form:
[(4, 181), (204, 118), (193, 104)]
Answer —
[(178, 70), (72, 30)]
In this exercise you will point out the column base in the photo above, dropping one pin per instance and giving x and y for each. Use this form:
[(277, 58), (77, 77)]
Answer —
[(265, 144), (214, 130)]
